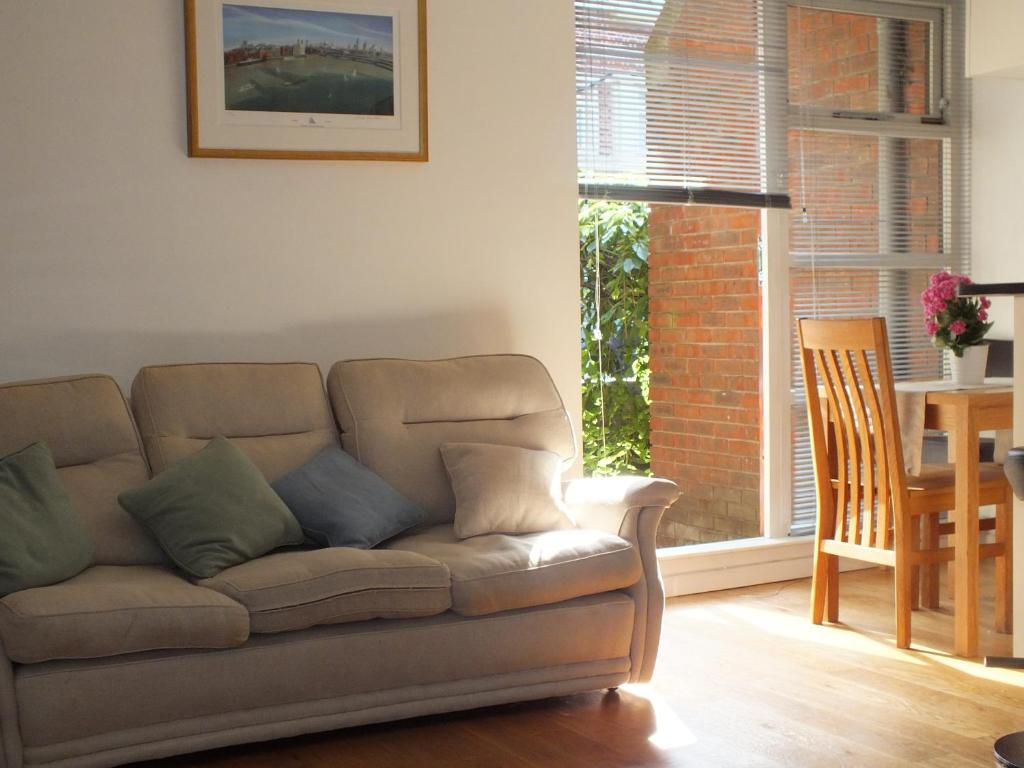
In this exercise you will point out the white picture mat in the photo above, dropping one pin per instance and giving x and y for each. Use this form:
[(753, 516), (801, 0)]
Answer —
[(219, 128)]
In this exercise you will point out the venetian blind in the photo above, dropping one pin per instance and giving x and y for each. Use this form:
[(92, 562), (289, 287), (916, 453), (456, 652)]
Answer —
[(682, 100), (879, 176)]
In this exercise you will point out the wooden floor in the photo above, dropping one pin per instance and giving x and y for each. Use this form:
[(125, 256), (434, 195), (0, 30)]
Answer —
[(743, 679)]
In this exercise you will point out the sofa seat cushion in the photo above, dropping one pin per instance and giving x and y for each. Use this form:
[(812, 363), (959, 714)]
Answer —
[(291, 683), (498, 572), (295, 590), (109, 610)]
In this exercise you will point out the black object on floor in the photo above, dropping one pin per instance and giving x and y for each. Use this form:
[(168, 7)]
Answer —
[(1004, 662), (1014, 468), (1009, 751)]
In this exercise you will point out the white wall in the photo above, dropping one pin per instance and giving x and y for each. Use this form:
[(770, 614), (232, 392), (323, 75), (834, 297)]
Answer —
[(993, 37), (997, 221), (117, 250)]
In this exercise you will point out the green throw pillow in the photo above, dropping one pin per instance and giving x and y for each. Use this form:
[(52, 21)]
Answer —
[(42, 539), (213, 510)]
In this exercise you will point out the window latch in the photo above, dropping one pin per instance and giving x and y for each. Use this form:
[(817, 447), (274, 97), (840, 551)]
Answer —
[(847, 115)]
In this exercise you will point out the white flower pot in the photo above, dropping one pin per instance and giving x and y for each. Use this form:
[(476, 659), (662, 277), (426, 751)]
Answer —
[(969, 369)]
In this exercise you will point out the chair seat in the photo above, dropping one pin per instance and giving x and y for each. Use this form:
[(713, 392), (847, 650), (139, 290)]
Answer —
[(109, 610), (300, 589), (936, 476), (934, 489), (498, 572)]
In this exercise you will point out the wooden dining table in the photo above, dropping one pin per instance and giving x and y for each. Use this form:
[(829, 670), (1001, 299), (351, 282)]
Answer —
[(964, 414)]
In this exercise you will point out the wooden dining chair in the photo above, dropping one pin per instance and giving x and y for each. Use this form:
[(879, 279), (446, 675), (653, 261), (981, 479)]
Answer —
[(869, 508)]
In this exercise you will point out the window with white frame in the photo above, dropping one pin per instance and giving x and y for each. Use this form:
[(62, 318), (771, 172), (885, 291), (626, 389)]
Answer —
[(854, 114), (879, 117), (675, 103), (674, 97)]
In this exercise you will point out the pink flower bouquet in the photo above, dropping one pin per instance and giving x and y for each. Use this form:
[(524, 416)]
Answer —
[(954, 322)]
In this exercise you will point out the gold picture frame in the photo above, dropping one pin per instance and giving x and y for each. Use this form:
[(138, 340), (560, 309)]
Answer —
[(355, 88)]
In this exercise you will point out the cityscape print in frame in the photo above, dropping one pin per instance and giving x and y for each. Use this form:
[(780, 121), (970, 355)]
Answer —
[(307, 79)]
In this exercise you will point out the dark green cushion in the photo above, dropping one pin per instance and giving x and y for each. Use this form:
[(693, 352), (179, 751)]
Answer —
[(213, 510), (42, 539)]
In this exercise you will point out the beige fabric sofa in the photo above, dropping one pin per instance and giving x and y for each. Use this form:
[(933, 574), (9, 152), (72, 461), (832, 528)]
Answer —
[(130, 660)]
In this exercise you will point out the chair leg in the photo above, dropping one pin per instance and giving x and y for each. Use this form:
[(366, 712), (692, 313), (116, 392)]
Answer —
[(819, 586), (930, 573), (1004, 569), (916, 579), (904, 584), (833, 589)]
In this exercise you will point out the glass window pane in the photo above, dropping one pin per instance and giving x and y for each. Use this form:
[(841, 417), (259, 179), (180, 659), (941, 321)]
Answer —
[(856, 62), (863, 200), (868, 229)]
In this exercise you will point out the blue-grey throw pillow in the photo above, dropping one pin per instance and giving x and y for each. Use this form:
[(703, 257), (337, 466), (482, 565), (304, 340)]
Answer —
[(341, 503)]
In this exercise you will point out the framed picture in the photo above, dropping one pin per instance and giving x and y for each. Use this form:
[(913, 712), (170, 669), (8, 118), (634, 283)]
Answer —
[(307, 79)]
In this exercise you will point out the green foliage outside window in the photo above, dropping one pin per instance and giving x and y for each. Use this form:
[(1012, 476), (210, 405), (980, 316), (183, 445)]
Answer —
[(616, 358)]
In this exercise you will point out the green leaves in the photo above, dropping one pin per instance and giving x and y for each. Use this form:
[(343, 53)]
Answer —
[(614, 345)]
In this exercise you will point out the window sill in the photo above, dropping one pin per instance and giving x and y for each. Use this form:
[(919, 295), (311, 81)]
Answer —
[(742, 563)]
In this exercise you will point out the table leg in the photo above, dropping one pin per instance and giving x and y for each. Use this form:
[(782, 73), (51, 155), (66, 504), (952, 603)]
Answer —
[(966, 535), (916, 570), (951, 566), (930, 573)]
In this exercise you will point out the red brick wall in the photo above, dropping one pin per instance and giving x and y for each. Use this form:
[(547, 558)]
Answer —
[(705, 369), (833, 59)]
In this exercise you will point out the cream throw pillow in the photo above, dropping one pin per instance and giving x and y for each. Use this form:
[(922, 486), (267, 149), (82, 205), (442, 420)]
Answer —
[(504, 489)]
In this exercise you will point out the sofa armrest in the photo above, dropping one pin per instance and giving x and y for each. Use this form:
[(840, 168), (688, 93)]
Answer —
[(10, 734), (630, 507), (604, 502)]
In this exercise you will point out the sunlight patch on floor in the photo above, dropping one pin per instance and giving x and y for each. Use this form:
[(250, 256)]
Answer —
[(697, 613), (801, 629), (670, 731), (972, 667)]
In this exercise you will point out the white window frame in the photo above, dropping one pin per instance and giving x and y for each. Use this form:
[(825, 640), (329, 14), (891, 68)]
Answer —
[(776, 555), (933, 13)]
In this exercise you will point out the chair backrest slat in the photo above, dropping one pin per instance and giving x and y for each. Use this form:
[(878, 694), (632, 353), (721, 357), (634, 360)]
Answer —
[(856, 390), (840, 444), (893, 441), (880, 503), (849, 431), (821, 452), (859, 474)]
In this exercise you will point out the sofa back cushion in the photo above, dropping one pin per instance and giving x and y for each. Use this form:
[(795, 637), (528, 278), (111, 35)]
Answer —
[(277, 413), (395, 415), (85, 422)]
